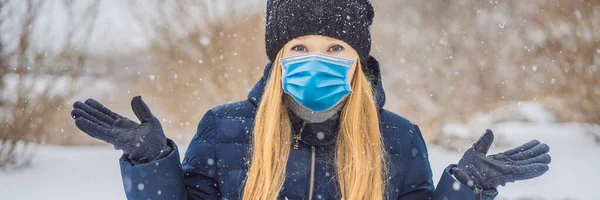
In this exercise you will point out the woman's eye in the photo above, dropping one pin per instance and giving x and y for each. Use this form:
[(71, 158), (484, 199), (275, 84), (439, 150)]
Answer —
[(299, 48), (336, 48)]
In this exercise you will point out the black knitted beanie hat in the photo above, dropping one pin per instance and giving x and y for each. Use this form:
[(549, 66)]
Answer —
[(346, 20)]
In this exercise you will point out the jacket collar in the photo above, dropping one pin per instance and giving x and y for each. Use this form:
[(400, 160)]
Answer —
[(316, 134)]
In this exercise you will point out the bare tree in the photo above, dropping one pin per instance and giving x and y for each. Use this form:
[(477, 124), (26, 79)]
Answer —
[(454, 59), (202, 55), (36, 82)]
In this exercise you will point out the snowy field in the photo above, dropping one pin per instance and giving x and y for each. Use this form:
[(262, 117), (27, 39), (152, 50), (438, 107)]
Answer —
[(92, 173)]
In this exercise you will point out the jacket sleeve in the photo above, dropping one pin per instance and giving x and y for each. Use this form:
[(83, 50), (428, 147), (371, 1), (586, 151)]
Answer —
[(418, 183), (450, 188), (167, 178)]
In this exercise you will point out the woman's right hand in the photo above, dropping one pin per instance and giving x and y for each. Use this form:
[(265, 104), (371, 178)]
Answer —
[(142, 142)]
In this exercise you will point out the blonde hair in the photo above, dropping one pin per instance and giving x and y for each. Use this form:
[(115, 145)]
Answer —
[(360, 154)]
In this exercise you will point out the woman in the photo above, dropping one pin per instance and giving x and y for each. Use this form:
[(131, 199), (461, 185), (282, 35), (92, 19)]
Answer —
[(313, 127)]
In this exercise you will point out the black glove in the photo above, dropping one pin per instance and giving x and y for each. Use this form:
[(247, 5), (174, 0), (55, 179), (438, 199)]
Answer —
[(479, 171), (142, 142)]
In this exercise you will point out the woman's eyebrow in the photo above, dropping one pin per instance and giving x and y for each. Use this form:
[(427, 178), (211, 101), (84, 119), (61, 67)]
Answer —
[(335, 44)]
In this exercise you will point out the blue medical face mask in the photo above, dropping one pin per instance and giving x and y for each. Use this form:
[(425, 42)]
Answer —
[(316, 81)]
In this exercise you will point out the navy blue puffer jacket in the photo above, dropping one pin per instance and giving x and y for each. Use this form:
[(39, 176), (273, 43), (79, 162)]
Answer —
[(215, 163)]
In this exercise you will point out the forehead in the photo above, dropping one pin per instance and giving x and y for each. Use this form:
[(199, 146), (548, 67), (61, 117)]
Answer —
[(316, 38)]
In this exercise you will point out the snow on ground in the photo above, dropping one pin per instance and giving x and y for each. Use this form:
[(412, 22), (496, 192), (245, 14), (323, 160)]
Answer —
[(92, 173)]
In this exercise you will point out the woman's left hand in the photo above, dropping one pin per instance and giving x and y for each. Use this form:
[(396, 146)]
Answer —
[(479, 171)]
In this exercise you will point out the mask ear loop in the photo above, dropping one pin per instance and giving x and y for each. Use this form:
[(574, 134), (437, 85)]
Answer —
[(283, 73), (355, 64)]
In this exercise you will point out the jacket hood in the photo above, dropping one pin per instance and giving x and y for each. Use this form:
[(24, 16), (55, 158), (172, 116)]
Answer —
[(371, 69)]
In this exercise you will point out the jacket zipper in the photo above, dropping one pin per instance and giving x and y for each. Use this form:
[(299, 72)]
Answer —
[(312, 173), (297, 136), (312, 160)]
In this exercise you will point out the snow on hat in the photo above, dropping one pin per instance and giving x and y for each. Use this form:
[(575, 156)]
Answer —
[(346, 20)]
